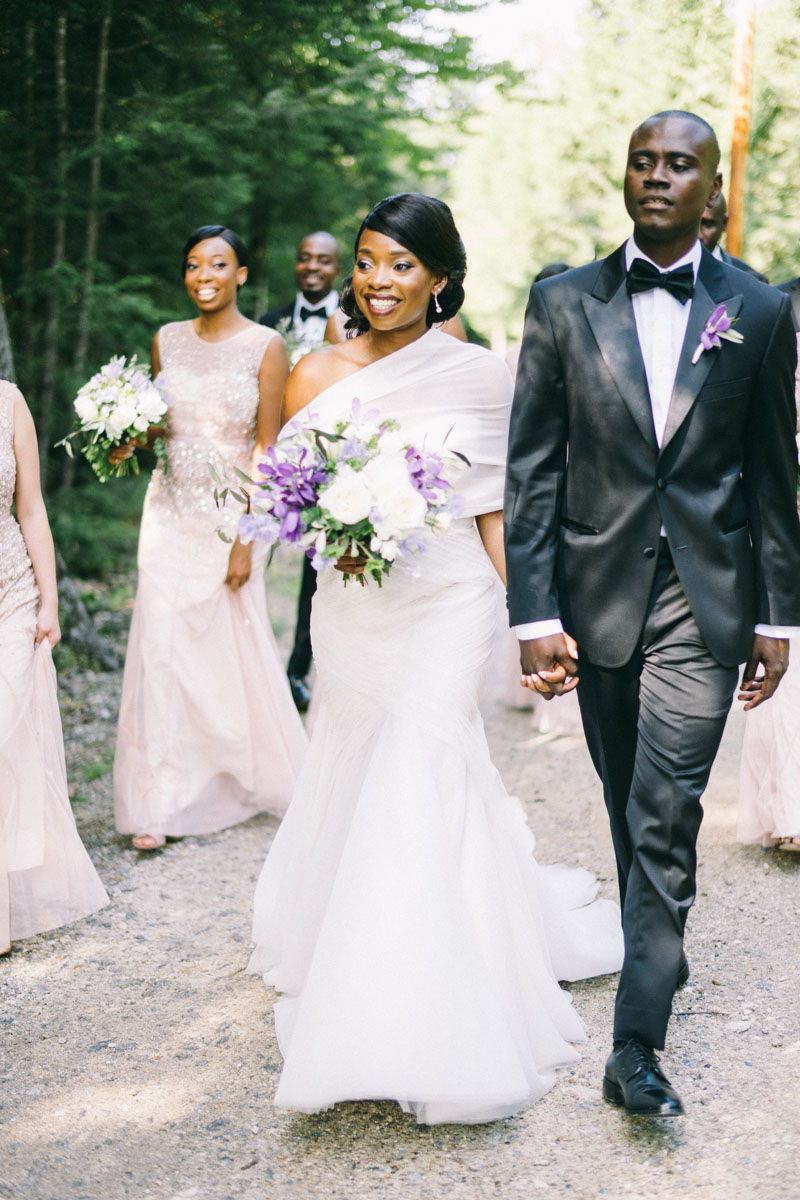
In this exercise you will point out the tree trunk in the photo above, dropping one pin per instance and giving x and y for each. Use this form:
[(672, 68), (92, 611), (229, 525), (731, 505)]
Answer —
[(6, 356), (29, 239), (92, 224), (51, 330)]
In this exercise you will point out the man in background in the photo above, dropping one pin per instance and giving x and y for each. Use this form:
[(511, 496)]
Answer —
[(713, 224), (302, 323)]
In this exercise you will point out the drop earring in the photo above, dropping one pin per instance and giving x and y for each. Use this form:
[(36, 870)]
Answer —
[(436, 303)]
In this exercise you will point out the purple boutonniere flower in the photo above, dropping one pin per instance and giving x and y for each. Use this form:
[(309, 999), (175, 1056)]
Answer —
[(718, 326)]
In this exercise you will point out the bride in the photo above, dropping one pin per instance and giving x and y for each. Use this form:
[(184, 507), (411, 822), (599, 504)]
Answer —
[(400, 910)]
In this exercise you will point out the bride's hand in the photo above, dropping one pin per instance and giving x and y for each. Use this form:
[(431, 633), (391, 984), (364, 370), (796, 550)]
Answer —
[(240, 562), (127, 449), (351, 564)]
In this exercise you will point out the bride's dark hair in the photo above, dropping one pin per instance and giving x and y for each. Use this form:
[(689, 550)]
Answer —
[(425, 226), (204, 232)]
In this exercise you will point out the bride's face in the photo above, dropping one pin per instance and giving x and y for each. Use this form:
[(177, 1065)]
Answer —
[(392, 286)]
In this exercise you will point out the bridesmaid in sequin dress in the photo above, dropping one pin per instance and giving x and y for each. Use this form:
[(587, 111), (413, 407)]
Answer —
[(208, 733), (46, 876)]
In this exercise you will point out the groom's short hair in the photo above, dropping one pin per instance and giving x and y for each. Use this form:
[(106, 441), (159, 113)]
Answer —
[(687, 116)]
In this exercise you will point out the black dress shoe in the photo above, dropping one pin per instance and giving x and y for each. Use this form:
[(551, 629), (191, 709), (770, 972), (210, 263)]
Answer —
[(635, 1081), (683, 974), (300, 693)]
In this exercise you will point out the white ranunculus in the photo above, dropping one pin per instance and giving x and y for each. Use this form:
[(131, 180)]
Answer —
[(400, 514), (347, 499)]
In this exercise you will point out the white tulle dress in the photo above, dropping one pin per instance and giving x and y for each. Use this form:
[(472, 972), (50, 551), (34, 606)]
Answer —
[(208, 733), (46, 877), (400, 910), (769, 784)]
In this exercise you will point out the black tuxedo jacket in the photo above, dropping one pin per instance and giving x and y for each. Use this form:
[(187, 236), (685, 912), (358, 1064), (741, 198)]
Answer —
[(792, 289), (742, 265), (588, 488), (276, 315)]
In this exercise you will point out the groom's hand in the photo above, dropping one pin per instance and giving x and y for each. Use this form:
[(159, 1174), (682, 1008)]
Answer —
[(773, 655), (549, 665)]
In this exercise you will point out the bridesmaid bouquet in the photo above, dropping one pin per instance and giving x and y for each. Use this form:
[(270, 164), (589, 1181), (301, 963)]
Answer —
[(118, 404), (357, 489)]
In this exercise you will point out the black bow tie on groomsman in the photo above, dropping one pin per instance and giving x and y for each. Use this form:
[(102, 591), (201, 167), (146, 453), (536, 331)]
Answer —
[(305, 313), (643, 276)]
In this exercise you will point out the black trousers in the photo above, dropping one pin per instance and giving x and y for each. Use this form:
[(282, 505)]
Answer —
[(300, 659), (653, 728)]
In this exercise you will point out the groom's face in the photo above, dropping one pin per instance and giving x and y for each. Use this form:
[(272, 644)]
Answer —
[(670, 176)]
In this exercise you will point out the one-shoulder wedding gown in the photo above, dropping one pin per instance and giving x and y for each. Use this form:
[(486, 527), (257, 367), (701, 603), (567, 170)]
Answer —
[(400, 910)]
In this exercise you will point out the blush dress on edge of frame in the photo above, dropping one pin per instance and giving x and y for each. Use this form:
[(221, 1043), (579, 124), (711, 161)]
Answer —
[(46, 877)]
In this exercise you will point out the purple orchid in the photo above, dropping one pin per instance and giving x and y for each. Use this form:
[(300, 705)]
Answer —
[(718, 326)]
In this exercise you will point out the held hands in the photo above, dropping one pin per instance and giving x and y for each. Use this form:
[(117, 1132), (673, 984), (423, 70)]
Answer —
[(240, 563), (47, 625), (126, 450), (549, 665), (773, 655)]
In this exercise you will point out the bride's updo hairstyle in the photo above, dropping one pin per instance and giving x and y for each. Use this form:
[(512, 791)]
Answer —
[(425, 226), (211, 231)]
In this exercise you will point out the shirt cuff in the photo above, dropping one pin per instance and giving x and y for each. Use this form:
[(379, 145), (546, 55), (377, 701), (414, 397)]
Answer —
[(778, 631), (538, 629)]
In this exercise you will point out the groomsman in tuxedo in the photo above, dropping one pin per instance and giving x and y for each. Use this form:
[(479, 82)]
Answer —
[(316, 270), (653, 542), (713, 224), (792, 289)]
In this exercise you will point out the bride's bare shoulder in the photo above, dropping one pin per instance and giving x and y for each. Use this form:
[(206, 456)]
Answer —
[(315, 372)]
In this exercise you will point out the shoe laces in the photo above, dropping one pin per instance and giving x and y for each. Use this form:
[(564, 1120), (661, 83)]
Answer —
[(643, 1056)]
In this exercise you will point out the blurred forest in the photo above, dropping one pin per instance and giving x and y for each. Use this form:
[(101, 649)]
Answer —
[(123, 126)]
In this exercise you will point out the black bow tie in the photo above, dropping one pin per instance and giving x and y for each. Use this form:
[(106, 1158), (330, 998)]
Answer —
[(305, 313), (643, 276)]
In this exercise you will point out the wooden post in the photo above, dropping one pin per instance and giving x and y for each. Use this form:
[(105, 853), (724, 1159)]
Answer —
[(741, 82)]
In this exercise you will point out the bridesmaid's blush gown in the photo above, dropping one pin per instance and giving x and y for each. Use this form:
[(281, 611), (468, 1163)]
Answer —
[(46, 877), (208, 733)]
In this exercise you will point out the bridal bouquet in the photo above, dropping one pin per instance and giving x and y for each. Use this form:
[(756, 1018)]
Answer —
[(357, 489), (119, 403)]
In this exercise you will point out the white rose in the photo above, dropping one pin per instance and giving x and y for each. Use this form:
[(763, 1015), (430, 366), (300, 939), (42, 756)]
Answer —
[(86, 408), (347, 499), (121, 418), (385, 476), (151, 404), (401, 513)]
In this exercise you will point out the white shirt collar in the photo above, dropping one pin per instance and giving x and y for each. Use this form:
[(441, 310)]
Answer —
[(330, 304), (718, 254), (692, 257)]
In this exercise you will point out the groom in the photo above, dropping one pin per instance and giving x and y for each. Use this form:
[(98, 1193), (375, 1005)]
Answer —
[(651, 516)]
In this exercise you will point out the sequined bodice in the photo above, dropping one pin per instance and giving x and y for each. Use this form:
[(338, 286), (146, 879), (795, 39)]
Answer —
[(212, 392), (17, 584)]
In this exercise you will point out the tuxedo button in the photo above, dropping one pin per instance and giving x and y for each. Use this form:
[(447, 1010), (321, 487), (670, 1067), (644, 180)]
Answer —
[(649, 552), (661, 484)]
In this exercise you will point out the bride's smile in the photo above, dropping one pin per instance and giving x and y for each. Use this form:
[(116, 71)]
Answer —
[(392, 286)]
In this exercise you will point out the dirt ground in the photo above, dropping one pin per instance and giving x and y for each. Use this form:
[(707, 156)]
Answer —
[(139, 1060)]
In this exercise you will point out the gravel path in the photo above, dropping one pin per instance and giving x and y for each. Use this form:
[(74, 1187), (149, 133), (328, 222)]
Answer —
[(140, 1061)]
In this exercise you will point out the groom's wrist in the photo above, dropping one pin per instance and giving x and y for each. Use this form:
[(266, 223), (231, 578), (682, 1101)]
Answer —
[(538, 629)]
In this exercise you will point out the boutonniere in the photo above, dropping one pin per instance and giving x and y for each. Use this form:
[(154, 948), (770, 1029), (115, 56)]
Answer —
[(719, 325)]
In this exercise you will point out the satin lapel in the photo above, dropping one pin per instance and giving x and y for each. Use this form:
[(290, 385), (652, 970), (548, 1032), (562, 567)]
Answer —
[(690, 376), (614, 329)]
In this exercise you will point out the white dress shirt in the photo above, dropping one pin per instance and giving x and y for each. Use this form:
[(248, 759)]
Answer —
[(312, 331), (661, 322)]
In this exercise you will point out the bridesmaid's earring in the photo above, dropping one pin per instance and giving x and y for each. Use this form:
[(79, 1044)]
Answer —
[(436, 303)]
